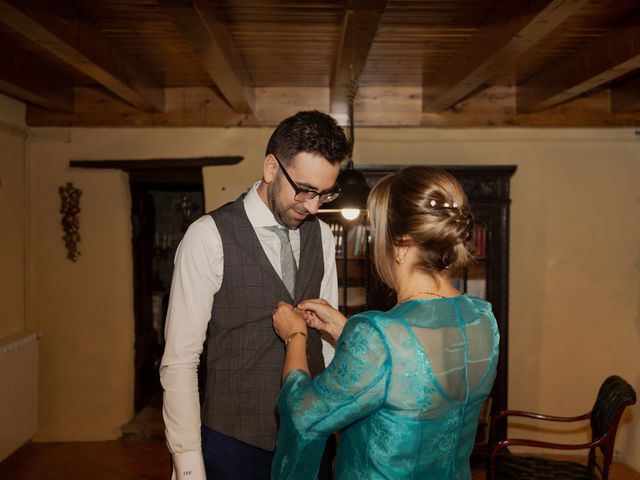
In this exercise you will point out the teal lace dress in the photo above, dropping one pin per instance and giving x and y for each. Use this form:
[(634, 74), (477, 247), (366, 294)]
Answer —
[(404, 390)]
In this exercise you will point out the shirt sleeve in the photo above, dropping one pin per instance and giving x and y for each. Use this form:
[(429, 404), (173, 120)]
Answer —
[(352, 386), (329, 285), (197, 276)]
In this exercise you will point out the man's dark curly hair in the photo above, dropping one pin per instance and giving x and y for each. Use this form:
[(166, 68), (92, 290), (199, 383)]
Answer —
[(312, 132)]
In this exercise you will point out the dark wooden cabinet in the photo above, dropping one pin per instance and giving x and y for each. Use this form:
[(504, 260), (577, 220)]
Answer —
[(488, 190), (352, 240)]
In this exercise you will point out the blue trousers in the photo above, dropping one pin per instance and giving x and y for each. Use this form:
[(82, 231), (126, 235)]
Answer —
[(226, 458)]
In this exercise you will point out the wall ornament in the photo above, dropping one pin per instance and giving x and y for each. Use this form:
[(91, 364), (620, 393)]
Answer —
[(69, 208)]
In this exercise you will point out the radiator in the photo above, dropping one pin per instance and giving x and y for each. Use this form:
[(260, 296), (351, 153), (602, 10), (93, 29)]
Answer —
[(18, 391)]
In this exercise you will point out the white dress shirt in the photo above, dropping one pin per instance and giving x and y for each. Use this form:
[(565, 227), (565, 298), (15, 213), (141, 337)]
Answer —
[(197, 276)]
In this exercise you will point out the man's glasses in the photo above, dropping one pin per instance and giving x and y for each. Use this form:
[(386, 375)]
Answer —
[(304, 194)]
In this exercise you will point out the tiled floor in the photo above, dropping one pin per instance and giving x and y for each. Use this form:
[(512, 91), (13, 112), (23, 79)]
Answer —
[(125, 460), (141, 455), (117, 460)]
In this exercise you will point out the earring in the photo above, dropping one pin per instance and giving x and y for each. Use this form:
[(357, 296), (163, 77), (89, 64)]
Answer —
[(400, 260)]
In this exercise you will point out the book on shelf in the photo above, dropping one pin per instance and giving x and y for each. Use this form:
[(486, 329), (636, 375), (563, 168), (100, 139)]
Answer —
[(337, 229), (357, 241), (479, 241), (357, 233)]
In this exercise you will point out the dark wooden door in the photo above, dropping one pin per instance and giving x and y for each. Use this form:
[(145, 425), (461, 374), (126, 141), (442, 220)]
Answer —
[(146, 345), (149, 343)]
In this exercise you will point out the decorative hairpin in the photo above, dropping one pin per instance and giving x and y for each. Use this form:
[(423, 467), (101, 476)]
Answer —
[(434, 203)]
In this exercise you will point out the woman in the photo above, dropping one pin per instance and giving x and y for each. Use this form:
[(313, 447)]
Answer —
[(406, 386)]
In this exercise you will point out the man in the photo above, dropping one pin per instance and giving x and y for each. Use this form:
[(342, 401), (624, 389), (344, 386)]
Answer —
[(231, 269)]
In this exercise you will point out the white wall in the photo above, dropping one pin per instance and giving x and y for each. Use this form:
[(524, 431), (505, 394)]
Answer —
[(575, 259), (13, 204)]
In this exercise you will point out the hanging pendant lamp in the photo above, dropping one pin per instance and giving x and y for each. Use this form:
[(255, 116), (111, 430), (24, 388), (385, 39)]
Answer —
[(353, 199)]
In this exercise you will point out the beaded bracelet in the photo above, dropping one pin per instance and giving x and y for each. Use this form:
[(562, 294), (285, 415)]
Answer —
[(290, 337)]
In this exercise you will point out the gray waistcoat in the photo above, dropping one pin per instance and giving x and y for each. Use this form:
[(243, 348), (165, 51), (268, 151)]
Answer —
[(244, 354)]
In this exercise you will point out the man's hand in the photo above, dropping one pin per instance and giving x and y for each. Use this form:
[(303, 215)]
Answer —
[(288, 320)]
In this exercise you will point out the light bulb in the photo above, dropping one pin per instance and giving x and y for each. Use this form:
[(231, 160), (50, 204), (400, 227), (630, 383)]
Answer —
[(350, 213)]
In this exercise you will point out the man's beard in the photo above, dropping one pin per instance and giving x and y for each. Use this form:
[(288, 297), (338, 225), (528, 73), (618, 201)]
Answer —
[(280, 211)]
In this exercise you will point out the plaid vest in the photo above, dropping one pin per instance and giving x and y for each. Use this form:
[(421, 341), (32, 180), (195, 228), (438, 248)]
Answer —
[(244, 354)]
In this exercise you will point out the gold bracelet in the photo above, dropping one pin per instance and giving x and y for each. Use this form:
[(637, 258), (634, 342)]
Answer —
[(290, 337)]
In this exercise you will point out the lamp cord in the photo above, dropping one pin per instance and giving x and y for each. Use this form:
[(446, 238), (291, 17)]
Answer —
[(352, 95)]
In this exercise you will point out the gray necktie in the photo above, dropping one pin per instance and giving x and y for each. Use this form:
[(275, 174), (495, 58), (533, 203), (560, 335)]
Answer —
[(287, 262)]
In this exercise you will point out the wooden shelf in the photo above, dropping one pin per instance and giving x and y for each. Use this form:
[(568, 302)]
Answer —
[(351, 282), (475, 270)]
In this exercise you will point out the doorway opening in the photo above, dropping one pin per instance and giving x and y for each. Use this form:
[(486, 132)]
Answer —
[(161, 213), (166, 196)]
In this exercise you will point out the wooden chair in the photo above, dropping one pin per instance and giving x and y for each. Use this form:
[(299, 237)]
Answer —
[(614, 396)]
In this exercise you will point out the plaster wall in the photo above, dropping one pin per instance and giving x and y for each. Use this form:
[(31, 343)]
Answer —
[(574, 269), (13, 205)]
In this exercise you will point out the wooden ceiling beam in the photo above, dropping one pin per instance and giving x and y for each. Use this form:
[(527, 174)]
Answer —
[(515, 27), (359, 27), (603, 60), (376, 106), (23, 77), (204, 27), (45, 96), (625, 98), (63, 31)]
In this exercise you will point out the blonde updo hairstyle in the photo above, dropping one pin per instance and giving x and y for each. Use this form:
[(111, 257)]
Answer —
[(426, 205)]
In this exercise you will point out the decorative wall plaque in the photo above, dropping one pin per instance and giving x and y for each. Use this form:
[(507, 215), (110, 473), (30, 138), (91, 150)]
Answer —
[(69, 208)]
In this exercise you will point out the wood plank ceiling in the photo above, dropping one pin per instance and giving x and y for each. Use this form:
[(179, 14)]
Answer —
[(252, 62)]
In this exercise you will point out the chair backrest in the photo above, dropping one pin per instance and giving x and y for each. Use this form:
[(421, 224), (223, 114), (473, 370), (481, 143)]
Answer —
[(614, 396)]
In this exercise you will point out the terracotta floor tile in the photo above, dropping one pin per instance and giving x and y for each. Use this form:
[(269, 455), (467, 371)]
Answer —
[(618, 470), (152, 468), (15, 468), (116, 454), (156, 447), (128, 460), (67, 461)]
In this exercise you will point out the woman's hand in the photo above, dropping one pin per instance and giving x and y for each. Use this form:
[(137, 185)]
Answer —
[(320, 315), (288, 320)]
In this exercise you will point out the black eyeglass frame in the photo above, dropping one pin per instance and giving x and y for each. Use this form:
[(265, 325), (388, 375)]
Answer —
[(329, 195)]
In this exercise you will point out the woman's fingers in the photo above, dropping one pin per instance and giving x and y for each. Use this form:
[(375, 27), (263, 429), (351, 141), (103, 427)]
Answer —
[(309, 315), (317, 301), (321, 308), (314, 322)]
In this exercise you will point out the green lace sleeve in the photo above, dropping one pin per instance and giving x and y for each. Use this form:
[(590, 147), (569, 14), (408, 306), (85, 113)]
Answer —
[(351, 387)]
